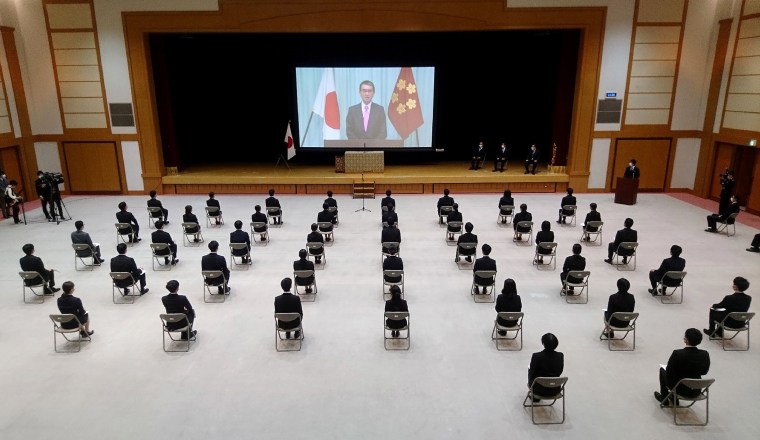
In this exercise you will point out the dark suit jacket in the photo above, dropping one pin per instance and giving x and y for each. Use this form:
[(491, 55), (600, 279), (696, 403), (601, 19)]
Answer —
[(390, 215), (396, 306), (213, 203), (315, 237), (260, 217), (155, 203), (123, 263), (532, 156), (191, 218), (214, 261), (501, 153), (387, 201), (331, 202), (467, 237), (546, 363), (506, 201), (506, 303), (126, 217), (176, 303), (34, 263), (303, 265), (686, 363), (288, 303), (376, 126), (326, 216), (390, 235), (454, 216), (632, 173), (240, 236), (161, 236), (573, 262), (676, 264), (521, 217), (479, 152), (592, 216), (81, 237), (393, 263), (544, 236), (271, 202), (625, 235), (483, 263), (68, 304), (730, 209), (736, 302), (445, 201), (568, 200), (619, 302)]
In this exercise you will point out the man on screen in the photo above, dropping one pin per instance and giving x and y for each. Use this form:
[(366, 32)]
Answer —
[(366, 120)]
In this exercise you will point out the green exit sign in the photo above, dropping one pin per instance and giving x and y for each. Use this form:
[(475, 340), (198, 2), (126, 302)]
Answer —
[(753, 142)]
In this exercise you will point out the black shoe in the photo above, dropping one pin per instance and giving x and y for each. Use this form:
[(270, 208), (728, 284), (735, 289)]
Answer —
[(711, 230), (652, 291), (535, 399), (318, 260), (166, 261), (659, 397), (85, 334), (197, 240), (297, 335), (608, 261), (502, 332), (287, 335), (137, 239), (504, 222), (308, 290), (559, 221), (533, 173), (126, 291), (469, 259), (501, 171), (166, 221), (175, 261), (328, 239), (753, 249), (395, 333), (218, 222), (525, 172), (625, 260), (144, 291), (54, 289)]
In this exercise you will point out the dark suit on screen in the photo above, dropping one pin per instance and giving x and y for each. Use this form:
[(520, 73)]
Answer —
[(545, 363), (619, 302), (686, 363), (672, 264), (123, 263), (376, 125), (625, 235)]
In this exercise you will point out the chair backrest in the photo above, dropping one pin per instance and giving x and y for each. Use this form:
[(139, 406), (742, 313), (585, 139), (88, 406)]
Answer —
[(156, 247), (548, 246), (467, 245), (29, 275), (569, 208), (186, 226), (211, 274), (390, 244), (674, 275), (123, 226), (525, 224), (485, 273), (629, 246), (258, 224), (507, 207), (63, 319), (332, 208), (82, 249), (629, 317), (303, 273), (155, 211), (272, 210), (579, 274), (120, 276), (393, 273), (595, 224), (325, 224), (550, 382), (511, 316), (455, 224), (314, 245), (172, 317), (445, 209), (238, 246), (694, 384), (212, 211), (740, 317), (396, 316), (286, 317), (731, 219)]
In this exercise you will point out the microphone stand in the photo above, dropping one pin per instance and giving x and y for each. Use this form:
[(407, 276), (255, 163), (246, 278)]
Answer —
[(364, 152)]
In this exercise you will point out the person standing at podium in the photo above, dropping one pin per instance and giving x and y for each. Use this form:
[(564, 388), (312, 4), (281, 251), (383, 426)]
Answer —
[(632, 171)]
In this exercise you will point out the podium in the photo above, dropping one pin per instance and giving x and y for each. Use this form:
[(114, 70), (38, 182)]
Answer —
[(626, 191)]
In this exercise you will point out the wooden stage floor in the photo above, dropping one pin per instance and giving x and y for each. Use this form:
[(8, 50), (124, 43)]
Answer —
[(411, 178)]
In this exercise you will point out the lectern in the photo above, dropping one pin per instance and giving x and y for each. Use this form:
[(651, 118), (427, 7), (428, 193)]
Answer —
[(626, 191)]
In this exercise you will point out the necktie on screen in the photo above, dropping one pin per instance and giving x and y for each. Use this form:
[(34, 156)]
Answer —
[(366, 116)]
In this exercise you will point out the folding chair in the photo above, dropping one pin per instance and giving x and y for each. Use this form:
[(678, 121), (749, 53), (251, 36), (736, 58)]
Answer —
[(552, 248), (215, 214), (209, 275), (124, 230), (661, 287), (238, 247), (453, 228), (154, 213), (572, 217), (548, 382), (326, 229), (627, 247), (32, 280), (388, 245), (311, 247), (443, 212), (673, 397), (274, 213), (58, 321), (744, 317), (582, 275), (160, 252), (491, 275), (262, 230), (303, 274), (466, 246), (505, 218), (597, 233), (729, 225), (631, 327), (128, 297), (334, 210), (186, 240), (393, 274), (396, 316), (522, 226), (278, 331), (171, 318), (517, 328), (82, 251)]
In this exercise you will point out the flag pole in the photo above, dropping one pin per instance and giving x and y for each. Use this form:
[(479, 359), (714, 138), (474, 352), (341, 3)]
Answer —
[(417, 136), (282, 158), (308, 124)]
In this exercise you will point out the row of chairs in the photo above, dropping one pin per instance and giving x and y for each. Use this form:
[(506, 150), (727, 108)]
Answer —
[(213, 215)]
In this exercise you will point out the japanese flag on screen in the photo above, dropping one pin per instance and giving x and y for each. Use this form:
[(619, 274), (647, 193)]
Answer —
[(289, 141), (326, 105)]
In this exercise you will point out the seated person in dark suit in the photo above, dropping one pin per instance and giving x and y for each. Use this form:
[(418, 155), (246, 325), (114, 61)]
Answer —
[(214, 261), (124, 216), (508, 301), (325, 216), (161, 236), (390, 216), (81, 237), (288, 303), (736, 302), (214, 203), (467, 237), (501, 158), (522, 216), (153, 202), (303, 264), (444, 201), (189, 217), (30, 262), (625, 235), (272, 202), (240, 236), (592, 216), (545, 235), (391, 234), (454, 216), (396, 304), (531, 160), (68, 304), (686, 363), (573, 262), (506, 200), (176, 303), (332, 203), (755, 245), (673, 264), (546, 363), (483, 263), (315, 237), (478, 155), (123, 263), (393, 262), (723, 217), (569, 199), (260, 217), (622, 301), (387, 200)]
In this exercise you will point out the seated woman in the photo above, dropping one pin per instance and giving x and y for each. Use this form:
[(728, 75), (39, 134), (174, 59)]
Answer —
[(396, 304), (508, 301), (69, 304), (545, 235), (189, 217), (507, 200), (546, 363)]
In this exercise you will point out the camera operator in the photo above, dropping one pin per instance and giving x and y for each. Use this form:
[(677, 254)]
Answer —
[(12, 200), (47, 190), (727, 183)]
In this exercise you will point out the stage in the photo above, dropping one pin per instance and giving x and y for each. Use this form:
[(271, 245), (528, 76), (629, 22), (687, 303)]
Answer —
[(301, 178)]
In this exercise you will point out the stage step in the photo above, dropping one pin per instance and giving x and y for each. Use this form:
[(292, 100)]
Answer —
[(364, 190)]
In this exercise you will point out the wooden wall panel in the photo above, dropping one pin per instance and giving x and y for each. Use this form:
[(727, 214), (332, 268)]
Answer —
[(652, 155), (11, 164), (744, 80), (92, 167), (753, 201), (5, 118)]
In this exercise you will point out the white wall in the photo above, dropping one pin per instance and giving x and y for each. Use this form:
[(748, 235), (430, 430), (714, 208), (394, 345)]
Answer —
[(600, 155), (130, 152), (48, 159), (685, 163)]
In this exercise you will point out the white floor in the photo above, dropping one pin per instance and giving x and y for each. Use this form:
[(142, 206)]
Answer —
[(343, 384)]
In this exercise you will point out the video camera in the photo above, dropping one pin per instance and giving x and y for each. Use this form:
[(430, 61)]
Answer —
[(54, 177)]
